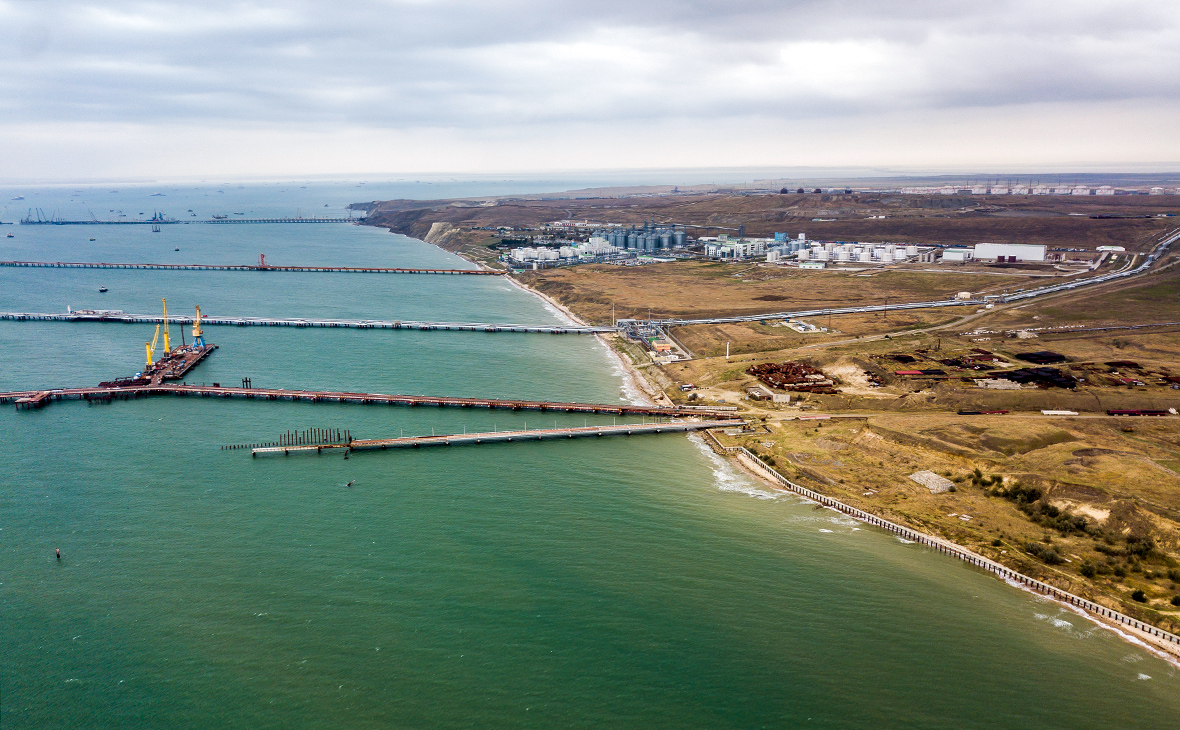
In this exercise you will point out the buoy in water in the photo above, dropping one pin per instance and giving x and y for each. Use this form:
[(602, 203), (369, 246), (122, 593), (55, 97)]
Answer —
[(59, 553)]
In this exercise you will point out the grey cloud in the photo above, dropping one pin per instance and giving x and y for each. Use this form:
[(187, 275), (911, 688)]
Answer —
[(416, 63)]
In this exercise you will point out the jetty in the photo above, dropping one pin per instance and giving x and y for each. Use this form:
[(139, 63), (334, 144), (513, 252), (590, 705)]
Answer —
[(37, 398), (262, 266), (112, 315), (160, 219), (493, 437)]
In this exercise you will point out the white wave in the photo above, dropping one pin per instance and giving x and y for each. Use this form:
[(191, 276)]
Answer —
[(1144, 676), (549, 306), (1058, 622), (904, 541), (823, 530), (1111, 627), (729, 479), (630, 391)]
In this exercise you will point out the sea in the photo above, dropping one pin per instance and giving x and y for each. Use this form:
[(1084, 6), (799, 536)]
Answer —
[(635, 582)]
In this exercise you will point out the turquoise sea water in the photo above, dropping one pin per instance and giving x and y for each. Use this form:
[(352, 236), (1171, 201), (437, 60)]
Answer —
[(608, 583)]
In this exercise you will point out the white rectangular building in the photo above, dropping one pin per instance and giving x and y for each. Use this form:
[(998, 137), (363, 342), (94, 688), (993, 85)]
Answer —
[(957, 254), (1010, 252)]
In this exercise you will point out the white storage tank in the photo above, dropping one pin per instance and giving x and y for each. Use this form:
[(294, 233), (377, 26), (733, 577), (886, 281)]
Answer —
[(823, 255), (911, 250), (886, 256), (865, 256), (843, 255), (803, 254)]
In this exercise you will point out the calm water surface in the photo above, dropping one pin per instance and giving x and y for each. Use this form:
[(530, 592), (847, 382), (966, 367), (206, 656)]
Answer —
[(608, 583)]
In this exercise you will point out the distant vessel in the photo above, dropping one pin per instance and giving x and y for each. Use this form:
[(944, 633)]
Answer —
[(156, 195), (220, 217), (102, 288), (155, 229), (19, 197), (92, 239), (176, 249), (11, 236)]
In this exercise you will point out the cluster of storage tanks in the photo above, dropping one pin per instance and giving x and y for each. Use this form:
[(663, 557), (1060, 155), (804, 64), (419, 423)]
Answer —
[(647, 238), (852, 252)]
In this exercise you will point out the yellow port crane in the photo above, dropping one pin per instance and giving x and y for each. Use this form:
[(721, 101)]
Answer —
[(151, 346), (167, 342), (198, 334)]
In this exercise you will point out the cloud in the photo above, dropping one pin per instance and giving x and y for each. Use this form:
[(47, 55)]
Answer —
[(543, 69)]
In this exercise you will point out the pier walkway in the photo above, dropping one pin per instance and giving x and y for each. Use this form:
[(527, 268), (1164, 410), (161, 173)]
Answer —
[(37, 398), (108, 315), (414, 442), (244, 267)]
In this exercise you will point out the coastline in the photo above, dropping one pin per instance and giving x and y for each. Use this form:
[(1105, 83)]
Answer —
[(642, 390), (1162, 648), (1167, 650)]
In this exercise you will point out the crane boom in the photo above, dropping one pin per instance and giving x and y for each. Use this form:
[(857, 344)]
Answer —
[(167, 342), (151, 348)]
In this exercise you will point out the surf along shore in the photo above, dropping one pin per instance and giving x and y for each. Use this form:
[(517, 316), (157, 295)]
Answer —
[(645, 384)]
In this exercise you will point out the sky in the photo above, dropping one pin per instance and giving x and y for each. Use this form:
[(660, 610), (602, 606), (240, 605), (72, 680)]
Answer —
[(118, 89)]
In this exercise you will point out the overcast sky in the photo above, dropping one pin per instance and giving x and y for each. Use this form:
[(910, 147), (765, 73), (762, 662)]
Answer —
[(173, 89)]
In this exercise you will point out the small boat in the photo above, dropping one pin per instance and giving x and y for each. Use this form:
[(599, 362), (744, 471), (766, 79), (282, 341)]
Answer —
[(155, 229), (11, 236), (92, 239), (19, 197), (176, 249), (102, 288)]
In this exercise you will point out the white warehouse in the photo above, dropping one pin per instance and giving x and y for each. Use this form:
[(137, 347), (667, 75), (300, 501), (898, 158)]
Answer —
[(1009, 252)]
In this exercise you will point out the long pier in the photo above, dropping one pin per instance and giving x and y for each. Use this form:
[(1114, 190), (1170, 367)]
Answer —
[(173, 221), (248, 267), (124, 318), (491, 437), (31, 399)]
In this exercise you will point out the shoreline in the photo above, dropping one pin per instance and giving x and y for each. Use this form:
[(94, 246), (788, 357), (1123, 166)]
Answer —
[(1162, 648), (643, 389)]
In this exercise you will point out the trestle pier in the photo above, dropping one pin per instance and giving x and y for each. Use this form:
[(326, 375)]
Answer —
[(494, 437), (44, 396)]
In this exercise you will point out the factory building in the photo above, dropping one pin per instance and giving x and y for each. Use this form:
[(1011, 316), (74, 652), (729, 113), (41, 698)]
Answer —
[(958, 255), (742, 248), (1008, 252)]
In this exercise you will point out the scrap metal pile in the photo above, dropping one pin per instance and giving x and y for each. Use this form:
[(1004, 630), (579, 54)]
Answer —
[(794, 376)]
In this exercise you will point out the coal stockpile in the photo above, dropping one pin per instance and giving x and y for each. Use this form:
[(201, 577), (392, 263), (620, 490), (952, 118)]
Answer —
[(1043, 377), (795, 376), (1044, 357)]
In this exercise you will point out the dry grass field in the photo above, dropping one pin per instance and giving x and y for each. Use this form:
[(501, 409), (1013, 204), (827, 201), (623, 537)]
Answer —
[(696, 289)]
